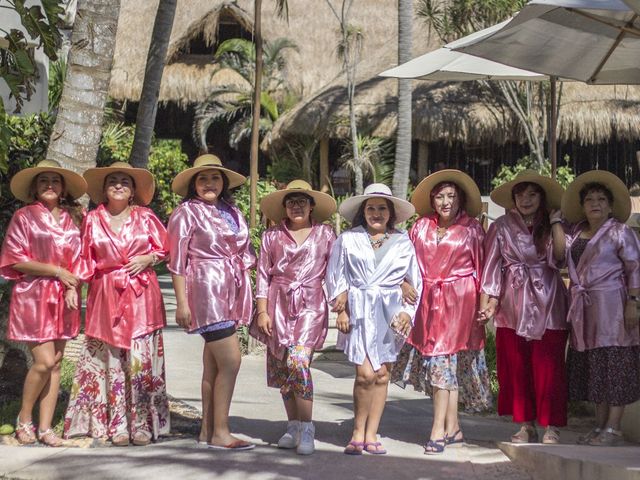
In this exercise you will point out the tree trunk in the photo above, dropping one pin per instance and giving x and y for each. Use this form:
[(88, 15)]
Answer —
[(255, 121), (148, 106), (403, 139), (76, 134)]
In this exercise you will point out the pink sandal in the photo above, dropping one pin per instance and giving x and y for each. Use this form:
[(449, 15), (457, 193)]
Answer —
[(25, 432), (49, 438), (356, 448)]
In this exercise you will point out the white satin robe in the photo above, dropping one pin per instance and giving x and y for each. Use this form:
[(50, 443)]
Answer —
[(374, 294)]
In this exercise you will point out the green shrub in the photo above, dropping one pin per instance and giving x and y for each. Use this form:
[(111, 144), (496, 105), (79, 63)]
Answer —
[(564, 173)]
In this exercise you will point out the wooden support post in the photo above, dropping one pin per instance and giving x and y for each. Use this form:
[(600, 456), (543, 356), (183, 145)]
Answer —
[(324, 165)]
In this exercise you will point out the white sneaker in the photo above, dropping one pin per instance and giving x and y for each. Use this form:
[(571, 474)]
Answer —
[(292, 436), (306, 446)]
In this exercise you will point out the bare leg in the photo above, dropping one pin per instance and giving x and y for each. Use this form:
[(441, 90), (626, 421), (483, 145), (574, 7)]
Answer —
[(602, 414), (440, 407), (209, 373), (362, 399), (378, 401), (451, 422), (291, 407), (304, 409), (49, 395), (44, 362), (615, 416)]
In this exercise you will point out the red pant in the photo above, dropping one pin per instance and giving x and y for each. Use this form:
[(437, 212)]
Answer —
[(532, 377)]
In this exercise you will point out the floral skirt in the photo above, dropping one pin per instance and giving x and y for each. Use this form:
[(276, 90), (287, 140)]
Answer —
[(292, 375), (465, 371), (119, 392)]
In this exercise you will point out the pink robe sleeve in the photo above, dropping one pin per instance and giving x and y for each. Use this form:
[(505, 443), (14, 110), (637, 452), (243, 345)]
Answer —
[(478, 253), (15, 248), (629, 253), (180, 230), (492, 271), (265, 263), (87, 264), (157, 235)]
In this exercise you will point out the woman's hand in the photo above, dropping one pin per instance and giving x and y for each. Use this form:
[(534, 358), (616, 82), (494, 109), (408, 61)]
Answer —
[(71, 299), (488, 312), (409, 294), (138, 264), (340, 302), (265, 324), (343, 323), (402, 324), (555, 216), (631, 315), (183, 316), (68, 279)]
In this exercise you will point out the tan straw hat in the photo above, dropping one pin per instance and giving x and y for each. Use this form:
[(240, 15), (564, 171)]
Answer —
[(143, 178), (621, 208), (349, 208), (552, 189), (271, 205), (421, 195), (180, 184), (20, 185)]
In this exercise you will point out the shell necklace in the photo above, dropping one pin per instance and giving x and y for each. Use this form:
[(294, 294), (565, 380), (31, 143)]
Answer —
[(375, 244)]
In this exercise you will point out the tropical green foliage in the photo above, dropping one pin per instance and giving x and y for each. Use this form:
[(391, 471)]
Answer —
[(564, 173), (57, 74), (242, 199), (376, 158)]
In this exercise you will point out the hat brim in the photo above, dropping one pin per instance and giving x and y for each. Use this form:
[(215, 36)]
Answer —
[(271, 204), (421, 195), (404, 209), (621, 208), (20, 185), (553, 191), (180, 184), (144, 189)]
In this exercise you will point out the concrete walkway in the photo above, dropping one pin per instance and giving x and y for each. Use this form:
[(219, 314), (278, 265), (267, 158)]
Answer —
[(257, 415)]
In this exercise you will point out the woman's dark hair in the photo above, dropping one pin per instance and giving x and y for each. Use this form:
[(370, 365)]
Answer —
[(462, 196), (224, 195), (360, 220), (66, 201), (595, 187), (541, 226)]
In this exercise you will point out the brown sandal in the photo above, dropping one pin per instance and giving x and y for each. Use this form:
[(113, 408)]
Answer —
[(141, 438), (25, 432), (49, 438), (608, 438), (121, 440)]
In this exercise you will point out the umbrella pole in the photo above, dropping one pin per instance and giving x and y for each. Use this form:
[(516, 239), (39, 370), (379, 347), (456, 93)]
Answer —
[(553, 125)]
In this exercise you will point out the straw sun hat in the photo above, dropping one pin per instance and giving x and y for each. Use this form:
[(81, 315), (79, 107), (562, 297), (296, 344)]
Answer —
[(621, 207), (144, 189), (271, 205), (21, 182), (421, 195), (180, 184), (349, 208), (552, 189)]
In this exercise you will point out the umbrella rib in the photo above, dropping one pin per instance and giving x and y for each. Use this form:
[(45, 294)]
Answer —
[(628, 28)]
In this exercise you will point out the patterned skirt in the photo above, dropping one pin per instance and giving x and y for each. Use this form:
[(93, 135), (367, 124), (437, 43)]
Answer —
[(465, 371), (119, 392), (292, 375)]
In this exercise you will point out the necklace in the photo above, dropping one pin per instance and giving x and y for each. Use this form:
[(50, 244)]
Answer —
[(528, 221), (375, 244), (121, 216), (440, 233)]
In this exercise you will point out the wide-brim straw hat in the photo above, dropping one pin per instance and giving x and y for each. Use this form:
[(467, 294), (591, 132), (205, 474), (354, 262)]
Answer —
[(271, 205), (20, 185), (421, 195), (180, 184), (621, 208), (143, 178), (552, 189), (404, 209)]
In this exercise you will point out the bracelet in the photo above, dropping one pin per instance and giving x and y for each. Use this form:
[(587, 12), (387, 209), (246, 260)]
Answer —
[(154, 259), (635, 298), (554, 221)]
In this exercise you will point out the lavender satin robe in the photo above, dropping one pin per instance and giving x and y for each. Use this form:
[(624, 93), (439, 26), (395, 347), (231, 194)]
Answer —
[(291, 278), (37, 312), (215, 261), (374, 294), (121, 307), (532, 296), (446, 318), (609, 266)]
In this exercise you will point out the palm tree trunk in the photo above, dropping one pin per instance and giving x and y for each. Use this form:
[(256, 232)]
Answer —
[(403, 139), (148, 106), (255, 121), (76, 134)]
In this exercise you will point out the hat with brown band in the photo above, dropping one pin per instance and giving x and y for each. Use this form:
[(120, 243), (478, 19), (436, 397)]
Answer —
[(143, 178), (180, 184), (21, 182), (271, 204)]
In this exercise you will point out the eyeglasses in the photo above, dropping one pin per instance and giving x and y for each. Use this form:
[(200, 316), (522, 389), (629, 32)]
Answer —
[(296, 202)]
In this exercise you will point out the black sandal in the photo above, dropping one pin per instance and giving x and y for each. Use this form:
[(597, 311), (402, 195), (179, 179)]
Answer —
[(451, 440), (436, 446)]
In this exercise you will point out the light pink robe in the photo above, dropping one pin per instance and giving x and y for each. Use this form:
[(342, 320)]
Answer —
[(215, 261), (291, 278), (446, 318), (608, 267), (121, 307), (37, 312), (532, 296)]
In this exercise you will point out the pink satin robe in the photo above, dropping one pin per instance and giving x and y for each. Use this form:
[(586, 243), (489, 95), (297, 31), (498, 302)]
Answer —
[(37, 312), (446, 318), (121, 307), (291, 278), (532, 296), (215, 261), (608, 267)]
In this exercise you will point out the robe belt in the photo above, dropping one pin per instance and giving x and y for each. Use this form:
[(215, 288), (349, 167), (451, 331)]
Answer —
[(295, 293), (54, 298), (526, 325), (521, 272), (233, 262), (122, 280), (581, 298), (364, 301), (435, 287)]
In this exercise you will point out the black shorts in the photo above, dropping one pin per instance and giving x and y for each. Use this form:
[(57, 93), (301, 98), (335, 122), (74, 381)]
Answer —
[(218, 334)]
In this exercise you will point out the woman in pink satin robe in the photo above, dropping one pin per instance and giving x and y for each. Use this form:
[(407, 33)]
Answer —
[(39, 253), (603, 256), (119, 389), (523, 292), (444, 354), (292, 309), (211, 258)]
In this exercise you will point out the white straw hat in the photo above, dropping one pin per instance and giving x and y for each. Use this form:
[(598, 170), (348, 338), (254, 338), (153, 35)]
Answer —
[(349, 208)]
